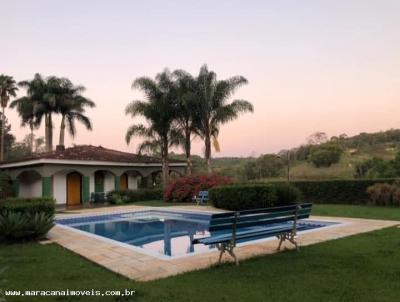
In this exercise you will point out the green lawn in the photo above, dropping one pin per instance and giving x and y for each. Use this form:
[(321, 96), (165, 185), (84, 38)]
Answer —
[(369, 212), (365, 267)]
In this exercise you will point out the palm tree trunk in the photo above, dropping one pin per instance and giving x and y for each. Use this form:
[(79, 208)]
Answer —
[(32, 137), (188, 155), (62, 131), (3, 123), (165, 166), (46, 131), (50, 133), (208, 152)]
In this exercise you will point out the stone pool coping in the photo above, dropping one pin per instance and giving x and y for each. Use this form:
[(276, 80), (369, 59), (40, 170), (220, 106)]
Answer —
[(143, 267)]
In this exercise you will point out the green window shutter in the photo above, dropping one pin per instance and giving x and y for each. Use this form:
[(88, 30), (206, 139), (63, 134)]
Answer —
[(46, 187)]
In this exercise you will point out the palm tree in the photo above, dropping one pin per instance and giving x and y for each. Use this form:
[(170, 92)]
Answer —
[(25, 109), (71, 105), (214, 110), (8, 88), (40, 92), (187, 112), (159, 110)]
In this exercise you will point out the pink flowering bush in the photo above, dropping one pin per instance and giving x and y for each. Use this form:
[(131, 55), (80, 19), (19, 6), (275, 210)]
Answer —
[(183, 189)]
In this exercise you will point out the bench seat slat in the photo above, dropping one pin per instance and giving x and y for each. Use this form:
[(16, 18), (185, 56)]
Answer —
[(245, 234)]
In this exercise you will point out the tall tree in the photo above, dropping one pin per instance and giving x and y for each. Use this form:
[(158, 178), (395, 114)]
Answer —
[(187, 112), (41, 93), (9, 139), (25, 109), (159, 111), (8, 88), (71, 105), (214, 109)]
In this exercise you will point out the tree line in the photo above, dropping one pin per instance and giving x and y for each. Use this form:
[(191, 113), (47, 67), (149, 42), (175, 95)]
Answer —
[(177, 107)]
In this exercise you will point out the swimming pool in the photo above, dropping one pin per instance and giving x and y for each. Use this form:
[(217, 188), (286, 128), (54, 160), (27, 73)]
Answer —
[(164, 233)]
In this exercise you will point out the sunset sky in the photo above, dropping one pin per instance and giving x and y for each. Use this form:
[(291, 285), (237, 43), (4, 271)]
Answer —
[(331, 66)]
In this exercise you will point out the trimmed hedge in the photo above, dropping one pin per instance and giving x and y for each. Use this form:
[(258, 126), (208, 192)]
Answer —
[(337, 191), (128, 196), (28, 205), (26, 218), (253, 196)]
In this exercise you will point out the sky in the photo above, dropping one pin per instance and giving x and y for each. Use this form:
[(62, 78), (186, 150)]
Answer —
[(331, 66)]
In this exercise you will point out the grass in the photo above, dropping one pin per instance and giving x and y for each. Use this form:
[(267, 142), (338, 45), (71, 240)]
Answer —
[(355, 211), (359, 268)]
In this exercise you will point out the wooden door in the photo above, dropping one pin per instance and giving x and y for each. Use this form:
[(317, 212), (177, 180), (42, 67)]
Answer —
[(74, 189), (123, 182)]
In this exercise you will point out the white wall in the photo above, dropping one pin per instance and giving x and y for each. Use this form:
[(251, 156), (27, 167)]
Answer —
[(132, 182), (91, 184), (60, 188), (109, 182), (30, 186)]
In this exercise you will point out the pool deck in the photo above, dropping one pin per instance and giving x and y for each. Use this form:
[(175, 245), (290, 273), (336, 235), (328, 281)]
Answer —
[(142, 267)]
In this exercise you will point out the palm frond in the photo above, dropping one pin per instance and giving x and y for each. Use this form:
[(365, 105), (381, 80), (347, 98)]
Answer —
[(137, 130)]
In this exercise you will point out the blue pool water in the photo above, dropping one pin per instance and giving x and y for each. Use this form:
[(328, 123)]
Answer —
[(158, 232)]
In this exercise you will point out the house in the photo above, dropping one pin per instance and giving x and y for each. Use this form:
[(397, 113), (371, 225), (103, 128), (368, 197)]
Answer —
[(71, 175)]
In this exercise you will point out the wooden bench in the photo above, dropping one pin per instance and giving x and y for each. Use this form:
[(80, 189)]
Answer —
[(201, 197), (254, 224)]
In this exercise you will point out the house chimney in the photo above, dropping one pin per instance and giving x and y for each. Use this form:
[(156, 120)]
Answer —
[(60, 148)]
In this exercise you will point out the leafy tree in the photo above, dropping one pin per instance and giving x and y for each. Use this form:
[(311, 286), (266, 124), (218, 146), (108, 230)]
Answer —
[(41, 93), (214, 110), (325, 155), (317, 138), (250, 170), (270, 165), (9, 139), (26, 111), (8, 88), (159, 111), (48, 96), (71, 105), (187, 112)]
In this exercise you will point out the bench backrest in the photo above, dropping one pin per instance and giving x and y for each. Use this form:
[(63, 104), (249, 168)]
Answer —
[(203, 194), (248, 218)]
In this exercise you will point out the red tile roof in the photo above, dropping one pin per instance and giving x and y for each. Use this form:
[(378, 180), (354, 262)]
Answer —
[(93, 153)]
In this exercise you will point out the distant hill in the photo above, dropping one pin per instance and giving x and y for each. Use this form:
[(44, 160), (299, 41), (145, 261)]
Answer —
[(357, 148)]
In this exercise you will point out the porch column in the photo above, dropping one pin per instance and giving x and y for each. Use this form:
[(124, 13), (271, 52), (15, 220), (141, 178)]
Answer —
[(117, 182), (85, 189), (46, 186)]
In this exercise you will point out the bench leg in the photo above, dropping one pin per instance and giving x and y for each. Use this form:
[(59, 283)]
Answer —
[(230, 251), (290, 237), (281, 239), (222, 247)]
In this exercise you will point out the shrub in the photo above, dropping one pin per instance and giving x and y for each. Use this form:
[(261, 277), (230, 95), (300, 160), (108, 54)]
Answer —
[(325, 155), (26, 219), (384, 194), (127, 196), (18, 226), (183, 189), (287, 193), (351, 191), (28, 205), (244, 197)]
